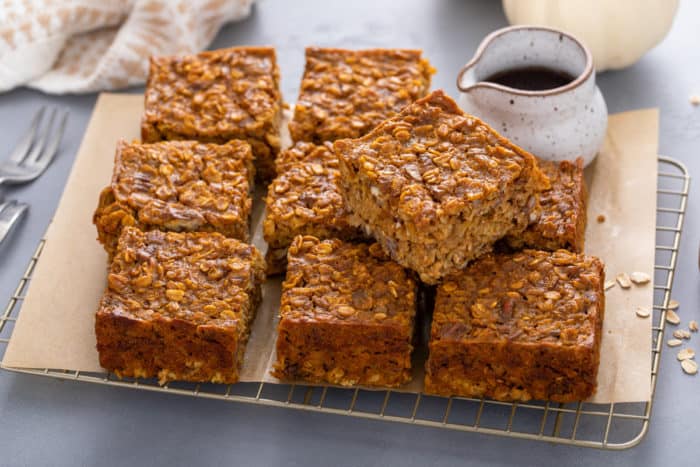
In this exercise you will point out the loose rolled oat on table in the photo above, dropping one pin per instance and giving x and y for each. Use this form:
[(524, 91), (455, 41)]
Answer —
[(216, 96), (436, 188), (689, 366), (672, 317), (346, 317), (517, 327), (178, 306), (304, 199), (346, 93), (686, 354), (177, 186)]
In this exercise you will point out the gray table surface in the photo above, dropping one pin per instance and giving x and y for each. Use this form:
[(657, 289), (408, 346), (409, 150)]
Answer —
[(47, 422)]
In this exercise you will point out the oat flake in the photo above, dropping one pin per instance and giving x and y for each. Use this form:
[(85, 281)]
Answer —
[(672, 317), (624, 280), (686, 354), (689, 366), (640, 278)]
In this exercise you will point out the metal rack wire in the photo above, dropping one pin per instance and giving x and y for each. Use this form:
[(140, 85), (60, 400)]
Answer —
[(606, 426)]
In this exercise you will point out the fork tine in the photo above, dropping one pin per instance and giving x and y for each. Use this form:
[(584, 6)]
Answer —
[(47, 156), (22, 148), (9, 215), (39, 145)]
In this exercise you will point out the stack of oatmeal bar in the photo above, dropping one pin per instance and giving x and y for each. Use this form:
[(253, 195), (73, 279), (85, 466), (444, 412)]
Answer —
[(387, 192), (183, 283), (343, 94), (438, 191), (347, 314)]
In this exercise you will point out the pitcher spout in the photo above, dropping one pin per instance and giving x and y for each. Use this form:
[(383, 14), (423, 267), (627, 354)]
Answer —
[(466, 79), (522, 47)]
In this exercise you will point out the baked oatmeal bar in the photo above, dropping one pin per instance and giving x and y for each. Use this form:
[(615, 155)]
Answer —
[(217, 96), (436, 188), (177, 186), (346, 93), (304, 199), (347, 315), (178, 306), (519, 327), (562, 223)]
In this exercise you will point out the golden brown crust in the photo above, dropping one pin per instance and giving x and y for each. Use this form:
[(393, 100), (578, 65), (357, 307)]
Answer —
[(562, 222), (346, 93), (216, 96), (347, 315), (110, 217), (436, 187), (177, 186), (305, 199), (178, 306), (518, 327)]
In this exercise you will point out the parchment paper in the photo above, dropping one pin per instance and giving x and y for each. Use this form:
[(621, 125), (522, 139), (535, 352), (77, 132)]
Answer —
[(55, 325)]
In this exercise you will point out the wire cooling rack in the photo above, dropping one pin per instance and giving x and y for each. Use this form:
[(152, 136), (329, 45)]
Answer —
[(606, 426)]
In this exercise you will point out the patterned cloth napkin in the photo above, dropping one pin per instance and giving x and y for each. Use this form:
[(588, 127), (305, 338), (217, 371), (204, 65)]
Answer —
[(73, 46)]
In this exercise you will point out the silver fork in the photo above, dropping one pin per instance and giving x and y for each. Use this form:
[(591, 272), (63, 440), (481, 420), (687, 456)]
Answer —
[(10, 213), (35, 150)]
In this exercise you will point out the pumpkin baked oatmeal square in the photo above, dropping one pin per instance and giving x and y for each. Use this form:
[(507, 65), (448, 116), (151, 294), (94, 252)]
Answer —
[(520, 326), (436, 187), (304, 199), (347, 315), (346, 93), (562, 222), (214, 97), (177, 186), (178, 306)]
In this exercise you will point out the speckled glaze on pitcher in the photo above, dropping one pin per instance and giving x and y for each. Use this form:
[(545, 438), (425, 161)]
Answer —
[(555, 124)]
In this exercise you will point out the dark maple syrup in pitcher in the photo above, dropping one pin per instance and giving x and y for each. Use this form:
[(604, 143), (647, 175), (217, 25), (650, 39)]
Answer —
[(531, 78)]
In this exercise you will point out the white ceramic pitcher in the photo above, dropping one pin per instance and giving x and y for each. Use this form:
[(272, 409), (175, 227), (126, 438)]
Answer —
[(556, 124)]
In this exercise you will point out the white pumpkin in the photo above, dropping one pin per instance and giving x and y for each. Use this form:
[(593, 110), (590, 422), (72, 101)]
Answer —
[(618, 32)]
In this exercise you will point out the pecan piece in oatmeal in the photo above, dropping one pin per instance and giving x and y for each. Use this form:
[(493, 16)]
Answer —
[(347, 315), (562, 222), (177, 186), (346, 93), (216, 96), (436, 188), (304, 199), (518, 327), (178, 306)]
